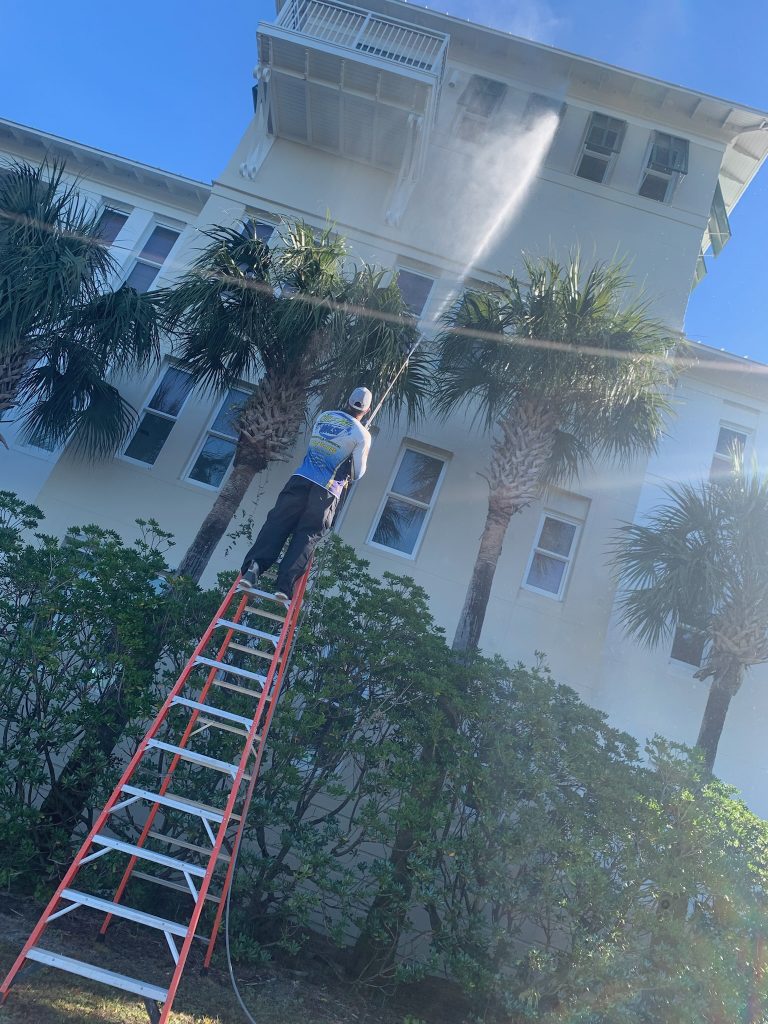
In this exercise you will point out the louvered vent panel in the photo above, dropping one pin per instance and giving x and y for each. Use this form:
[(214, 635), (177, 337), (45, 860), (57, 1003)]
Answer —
[(361, 77), (289, 56), (325, 66), (289, 97), (324, 117), (358, 120)]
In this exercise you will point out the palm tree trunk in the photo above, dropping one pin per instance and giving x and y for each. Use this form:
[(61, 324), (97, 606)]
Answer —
[(479, 590), (725, 685), (518, 458), (215, 524)]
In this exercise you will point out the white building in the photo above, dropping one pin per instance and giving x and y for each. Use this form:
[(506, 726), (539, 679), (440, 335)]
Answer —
[(442, 148)]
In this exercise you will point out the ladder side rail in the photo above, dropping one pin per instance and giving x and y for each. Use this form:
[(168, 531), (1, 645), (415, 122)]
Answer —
[(254, 776), (165, 785), (286, 631), (113, 799)]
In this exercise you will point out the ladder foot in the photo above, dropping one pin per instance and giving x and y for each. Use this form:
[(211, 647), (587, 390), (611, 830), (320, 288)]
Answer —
[(101, 936), (153, 1009), (204, 971)]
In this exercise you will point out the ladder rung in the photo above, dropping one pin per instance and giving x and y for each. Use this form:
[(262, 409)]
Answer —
[(223, 667), (194, 757), (144, 854), (240, 628), (250, 650), (180, 803), (261, 593), (254, 609), (122, 981), (85, 899), (209, 723), (173, 841), (216, 712), (225, 684), (169, 884)]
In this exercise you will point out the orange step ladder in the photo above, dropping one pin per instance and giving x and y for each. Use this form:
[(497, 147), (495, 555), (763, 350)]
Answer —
[(204, 868)]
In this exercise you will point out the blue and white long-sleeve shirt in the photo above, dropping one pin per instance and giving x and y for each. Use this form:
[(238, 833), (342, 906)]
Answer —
[(336, 437)]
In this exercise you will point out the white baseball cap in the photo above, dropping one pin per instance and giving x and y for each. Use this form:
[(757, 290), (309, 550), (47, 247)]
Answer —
[(360, 399)]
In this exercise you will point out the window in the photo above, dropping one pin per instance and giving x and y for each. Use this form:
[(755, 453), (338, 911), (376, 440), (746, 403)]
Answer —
[(551, 557), (719, 228), (731, 444), (415, 289), (688, 645), (479, 102), (110, 225), (159, 415), (667, 163), (151, 258), (214, 457), (409, 501), (601, 145), (539, 105), (259, 229)]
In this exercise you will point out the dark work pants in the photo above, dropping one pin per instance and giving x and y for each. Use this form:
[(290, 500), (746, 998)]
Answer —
[(304, 512)]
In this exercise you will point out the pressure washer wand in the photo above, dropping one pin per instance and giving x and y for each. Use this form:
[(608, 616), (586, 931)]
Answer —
[(392, 383)]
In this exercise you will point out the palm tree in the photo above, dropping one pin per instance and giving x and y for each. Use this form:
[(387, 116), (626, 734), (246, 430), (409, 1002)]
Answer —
[(288, 319), (700, 562), (63, 332), (558, 373)]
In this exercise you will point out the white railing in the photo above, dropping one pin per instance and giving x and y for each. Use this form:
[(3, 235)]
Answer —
[(360, 30)]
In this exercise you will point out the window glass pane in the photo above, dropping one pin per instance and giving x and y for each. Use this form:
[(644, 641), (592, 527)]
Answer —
[(592, 167), (669, 153), (261, 229), (399, 526), (415, 289), (110, 224), (556, 536), (688, 645), (654, 187), (482, 95), (546, 573), (159, 244), (171, 392), (225, 422), (213, 461), (730, 442), (417, 476), (148, 440), (605, 134), (142, 276)]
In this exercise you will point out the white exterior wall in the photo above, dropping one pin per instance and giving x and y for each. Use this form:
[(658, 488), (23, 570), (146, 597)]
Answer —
[(642, 691)]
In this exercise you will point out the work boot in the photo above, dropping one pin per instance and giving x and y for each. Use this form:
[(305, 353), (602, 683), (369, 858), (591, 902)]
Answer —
[(250, 575)]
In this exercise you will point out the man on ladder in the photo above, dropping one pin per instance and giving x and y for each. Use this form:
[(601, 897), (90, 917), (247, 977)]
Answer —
[(304, 510)]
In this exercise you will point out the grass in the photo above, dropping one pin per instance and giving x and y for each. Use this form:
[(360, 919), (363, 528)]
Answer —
[(273, 994)]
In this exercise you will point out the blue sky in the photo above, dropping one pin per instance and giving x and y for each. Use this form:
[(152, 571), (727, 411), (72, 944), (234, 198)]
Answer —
[(168, 83)]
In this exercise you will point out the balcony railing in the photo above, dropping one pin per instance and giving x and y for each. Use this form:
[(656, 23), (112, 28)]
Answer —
[(354, 29)]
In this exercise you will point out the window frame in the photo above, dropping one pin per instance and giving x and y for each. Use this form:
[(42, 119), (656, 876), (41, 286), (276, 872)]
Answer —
[(260, 219), (108, 206), (476, 121), (680, 661), (672, 177), (610, 158), (402, 268), (210, 432), (718, 457), (569, 559), (155, 412), (137, 258), (433, 453)]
